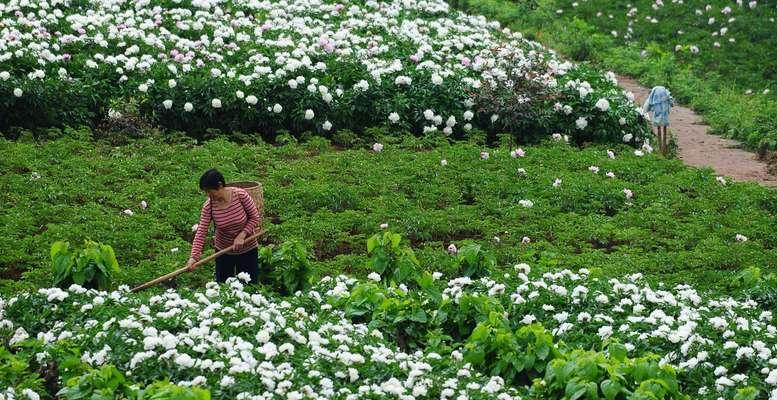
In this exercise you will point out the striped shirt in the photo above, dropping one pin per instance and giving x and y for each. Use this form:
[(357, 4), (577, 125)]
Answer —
[(240, 215)]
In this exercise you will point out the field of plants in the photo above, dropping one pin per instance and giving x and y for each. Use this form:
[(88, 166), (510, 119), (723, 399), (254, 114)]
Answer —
[(261, 67), (451, 210), (718, 56)]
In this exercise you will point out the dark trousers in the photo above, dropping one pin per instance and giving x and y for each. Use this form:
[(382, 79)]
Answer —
[(228, 265)]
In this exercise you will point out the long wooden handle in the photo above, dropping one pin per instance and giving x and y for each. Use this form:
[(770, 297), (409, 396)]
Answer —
[(197, 264)]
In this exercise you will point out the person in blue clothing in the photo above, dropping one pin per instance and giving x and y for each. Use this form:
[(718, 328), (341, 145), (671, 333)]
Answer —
[(659, 102)]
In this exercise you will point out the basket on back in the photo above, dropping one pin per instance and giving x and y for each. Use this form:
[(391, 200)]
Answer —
[(254, 189)]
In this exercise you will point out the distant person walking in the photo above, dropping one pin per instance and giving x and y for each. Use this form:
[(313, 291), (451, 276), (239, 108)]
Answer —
[(234, 214), (660, 103)]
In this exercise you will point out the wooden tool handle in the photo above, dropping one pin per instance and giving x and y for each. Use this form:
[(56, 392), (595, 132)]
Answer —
[(197, 264)]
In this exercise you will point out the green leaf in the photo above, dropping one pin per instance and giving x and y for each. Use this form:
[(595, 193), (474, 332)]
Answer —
[(610, 388), (419, 316), (617, 351), (372, 242)]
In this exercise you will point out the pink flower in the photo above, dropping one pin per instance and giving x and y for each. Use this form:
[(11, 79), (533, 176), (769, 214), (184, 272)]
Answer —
[(414, 58), (465, 61), (339, 7)]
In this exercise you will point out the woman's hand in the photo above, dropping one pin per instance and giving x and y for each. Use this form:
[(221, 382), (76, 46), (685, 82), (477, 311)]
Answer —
[(239, 241), (190, 265)]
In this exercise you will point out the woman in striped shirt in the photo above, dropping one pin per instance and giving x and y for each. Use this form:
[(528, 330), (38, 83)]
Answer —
[(235, 217)]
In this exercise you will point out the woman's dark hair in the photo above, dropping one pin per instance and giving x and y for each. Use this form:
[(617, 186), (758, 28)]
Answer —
[(212, 179)]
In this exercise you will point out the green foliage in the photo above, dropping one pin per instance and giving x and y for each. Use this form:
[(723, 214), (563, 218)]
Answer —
[(105, 383), (518, 356), (475, 262), (582, 374), (91, 267), (393, 261), (285, 268), (757, 285), (334, 200), (17, 369), (164, 390)]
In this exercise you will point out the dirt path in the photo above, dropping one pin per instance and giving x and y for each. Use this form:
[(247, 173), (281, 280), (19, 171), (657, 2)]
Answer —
[(699, 148)]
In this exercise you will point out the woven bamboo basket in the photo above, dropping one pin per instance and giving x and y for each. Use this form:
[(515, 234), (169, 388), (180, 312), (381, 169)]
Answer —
[(256, 192)]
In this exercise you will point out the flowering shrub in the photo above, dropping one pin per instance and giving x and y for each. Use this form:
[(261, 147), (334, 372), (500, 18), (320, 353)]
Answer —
[(262, 67), (527, 327)]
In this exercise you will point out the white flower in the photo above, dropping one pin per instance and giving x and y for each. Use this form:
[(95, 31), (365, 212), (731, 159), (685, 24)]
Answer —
[(436, 79), (605, 332), (557, 182), (174, 250), (609, 174), (622, 121), (581, 123), (740, 238), (494, 117), (627, 137), (526, 203), (215, 103), (251, 99), (309, 114), (239, 94), (610, 154), (168, 104), (374, 276), (603, 105), (484, 155), (143, 87), (128, 212), (468, 115), (326, 125), (628, 193), (393, 117), (172, 83), (18, 92), (721, 180), (451, 121), (517, 153), (377, 147), (443, 162), (525, 240), (521, 172), (227, 381), (194, 227), (384, 226), (143, 204), (452, 249), (594, 169), (277, 108), (5, 75), (188, 107)]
